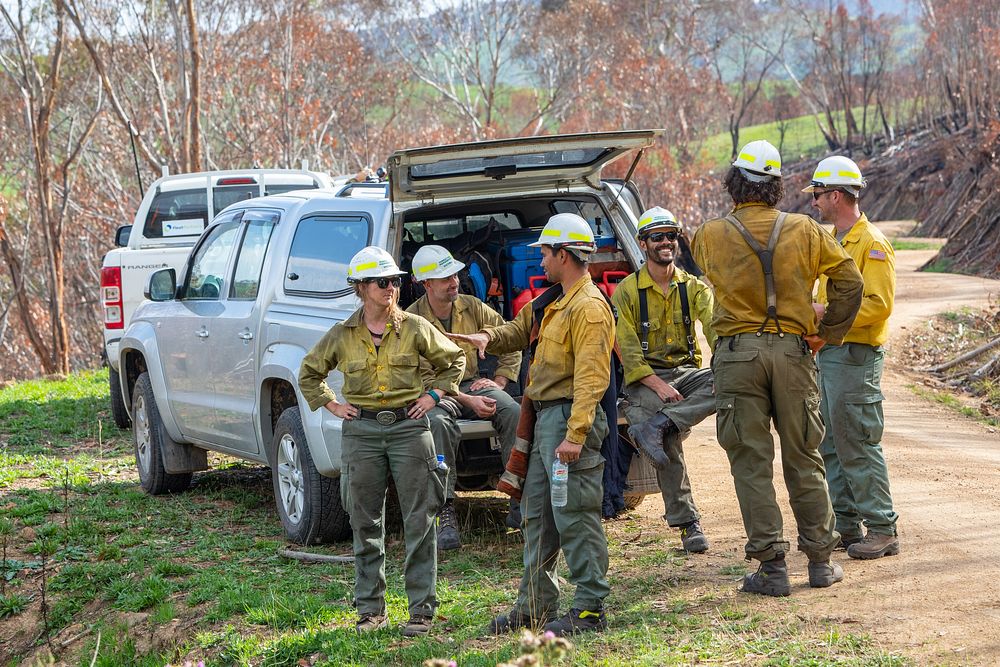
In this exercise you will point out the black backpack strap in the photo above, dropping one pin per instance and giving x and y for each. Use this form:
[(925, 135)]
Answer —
[(644, 324), (766, 257), (686, 316)]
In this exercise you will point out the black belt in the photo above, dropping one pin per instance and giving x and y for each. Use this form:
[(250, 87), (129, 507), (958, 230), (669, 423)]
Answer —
[(385, 417), (541, 405)]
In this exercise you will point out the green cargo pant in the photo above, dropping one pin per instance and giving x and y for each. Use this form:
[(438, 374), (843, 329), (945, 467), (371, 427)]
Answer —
[(757, 379), (576, 527), (447, 435), (696, 385), (371, 452), (850, 378)]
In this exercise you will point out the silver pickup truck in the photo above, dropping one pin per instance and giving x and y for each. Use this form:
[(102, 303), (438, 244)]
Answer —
[(210, 361)]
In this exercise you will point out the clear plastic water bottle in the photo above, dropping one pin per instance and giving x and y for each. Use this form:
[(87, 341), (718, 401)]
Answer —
[(442, 466), (560, 483)]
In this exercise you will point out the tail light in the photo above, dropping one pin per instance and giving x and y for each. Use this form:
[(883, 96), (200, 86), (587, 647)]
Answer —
[(111, 296)]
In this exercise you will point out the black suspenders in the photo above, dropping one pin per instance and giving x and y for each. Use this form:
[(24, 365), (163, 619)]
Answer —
[(644, 317), (766, 257)]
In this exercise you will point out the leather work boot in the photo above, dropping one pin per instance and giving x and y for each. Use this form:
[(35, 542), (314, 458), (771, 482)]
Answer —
[(514, 515), (576, 621), (448, 535), (371, 622), (417, 626), (846, 542), (771, 578), (825, 574), (505, 623), (874, 545), (693, 539), (649, 436)]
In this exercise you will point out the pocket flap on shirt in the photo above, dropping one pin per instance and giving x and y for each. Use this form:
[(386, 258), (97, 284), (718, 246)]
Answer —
[(354, 366), (403, 359)]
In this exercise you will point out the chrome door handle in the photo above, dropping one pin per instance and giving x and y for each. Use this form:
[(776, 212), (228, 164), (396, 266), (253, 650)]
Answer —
[(246, 335), (202, 333)]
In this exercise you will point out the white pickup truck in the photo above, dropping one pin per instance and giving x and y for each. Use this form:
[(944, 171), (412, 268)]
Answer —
[(210, 362), (172, 215)]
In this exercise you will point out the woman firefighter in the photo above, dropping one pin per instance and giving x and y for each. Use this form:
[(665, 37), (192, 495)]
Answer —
[(386, 431)]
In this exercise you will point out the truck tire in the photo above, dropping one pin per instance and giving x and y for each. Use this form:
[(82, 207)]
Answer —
[(633, 500), (149, 436), (308, 502), (118, 411)]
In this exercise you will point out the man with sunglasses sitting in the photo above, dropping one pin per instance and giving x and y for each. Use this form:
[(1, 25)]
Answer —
[(668, 391), (850, 374)]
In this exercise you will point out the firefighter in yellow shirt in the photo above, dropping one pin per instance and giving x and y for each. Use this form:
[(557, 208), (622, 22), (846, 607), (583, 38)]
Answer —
[(478, 397), (668, 391), (569, 373), (386, 431), (763, 264), (850, 374)]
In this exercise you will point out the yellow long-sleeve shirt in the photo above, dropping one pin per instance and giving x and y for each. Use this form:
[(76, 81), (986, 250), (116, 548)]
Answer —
[(573, 356), (872, 252), (388, 378), (468, 315), (667, 337), (804, 252)]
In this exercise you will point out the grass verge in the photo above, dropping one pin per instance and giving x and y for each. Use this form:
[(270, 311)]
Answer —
[(130, 579)]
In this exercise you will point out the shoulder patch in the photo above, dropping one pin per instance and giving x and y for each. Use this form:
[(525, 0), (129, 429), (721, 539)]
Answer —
[(876, 253)]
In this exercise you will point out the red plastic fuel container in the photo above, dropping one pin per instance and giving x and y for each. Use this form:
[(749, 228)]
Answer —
[(535, 288), (609, 281)]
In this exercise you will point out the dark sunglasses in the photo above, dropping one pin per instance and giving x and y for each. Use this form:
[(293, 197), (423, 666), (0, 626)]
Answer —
[(656, 237), (382, 283), (817, 195)]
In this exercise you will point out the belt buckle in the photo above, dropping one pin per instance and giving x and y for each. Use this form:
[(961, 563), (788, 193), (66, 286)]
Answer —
[(386, 417)]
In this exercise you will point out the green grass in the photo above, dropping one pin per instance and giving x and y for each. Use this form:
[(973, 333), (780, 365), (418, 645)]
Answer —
[(952, 402), (802, 138), (898, 244), (127, 567)]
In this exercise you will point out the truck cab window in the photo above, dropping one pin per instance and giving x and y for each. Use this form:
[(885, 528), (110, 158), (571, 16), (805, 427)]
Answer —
[(208, 263), (250, 261), (177, 213), (322, 247)]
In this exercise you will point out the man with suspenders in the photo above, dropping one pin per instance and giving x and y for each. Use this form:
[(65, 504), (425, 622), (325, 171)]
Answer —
[(668, 391), (763, 264)]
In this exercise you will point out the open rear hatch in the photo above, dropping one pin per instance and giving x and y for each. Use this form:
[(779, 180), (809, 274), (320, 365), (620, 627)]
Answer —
[(520, 165)]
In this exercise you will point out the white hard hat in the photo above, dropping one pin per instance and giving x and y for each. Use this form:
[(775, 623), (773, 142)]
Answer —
[(569, 231), (837, 171), (759, 161), (655, 218), (372, 262), (433, 261)]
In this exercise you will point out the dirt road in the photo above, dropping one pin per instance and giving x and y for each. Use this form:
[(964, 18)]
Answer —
[(939, 600)]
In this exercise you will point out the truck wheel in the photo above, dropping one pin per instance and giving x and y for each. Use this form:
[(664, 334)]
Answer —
[(118, 411), (633, 500), (308, 503), (149, 435)]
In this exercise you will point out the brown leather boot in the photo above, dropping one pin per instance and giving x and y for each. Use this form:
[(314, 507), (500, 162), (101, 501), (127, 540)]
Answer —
[(874, 545)]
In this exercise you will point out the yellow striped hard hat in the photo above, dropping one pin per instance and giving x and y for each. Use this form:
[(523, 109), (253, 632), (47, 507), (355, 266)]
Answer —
[(655, 218), (837, 171), (372, 262), (567, 230), (434, 261), (759, 158)]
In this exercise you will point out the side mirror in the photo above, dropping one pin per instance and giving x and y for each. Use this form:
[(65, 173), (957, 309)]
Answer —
[(162, 285), (122, 235)]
